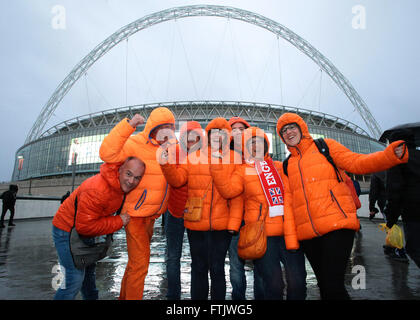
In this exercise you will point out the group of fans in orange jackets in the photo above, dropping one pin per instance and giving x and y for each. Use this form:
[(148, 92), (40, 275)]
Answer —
[(308, 213)]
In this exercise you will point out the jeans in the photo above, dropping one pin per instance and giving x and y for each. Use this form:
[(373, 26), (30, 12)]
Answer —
[(208, 253), (237, 274), (174, 231), (75, 280), (412, 240), (328, 256), (269, 268)]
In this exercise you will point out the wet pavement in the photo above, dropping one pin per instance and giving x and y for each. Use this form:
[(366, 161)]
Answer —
[(28, 267)]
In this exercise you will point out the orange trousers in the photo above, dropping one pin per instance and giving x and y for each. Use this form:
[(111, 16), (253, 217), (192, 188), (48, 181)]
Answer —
[(138, 231)]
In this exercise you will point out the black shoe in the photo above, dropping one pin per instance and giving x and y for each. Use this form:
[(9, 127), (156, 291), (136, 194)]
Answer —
[(399, 255), (396, 254), (11, 225), (1, 225)]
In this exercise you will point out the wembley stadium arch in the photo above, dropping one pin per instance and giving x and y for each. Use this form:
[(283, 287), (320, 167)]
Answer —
[(46, 153)]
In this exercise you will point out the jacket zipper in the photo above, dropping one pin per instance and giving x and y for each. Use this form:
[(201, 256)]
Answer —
[(334, 199), (304, 193), (164, 197)]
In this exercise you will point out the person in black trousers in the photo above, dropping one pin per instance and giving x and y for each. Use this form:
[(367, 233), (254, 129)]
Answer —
[(402, 189), (9, 200), (377, 193)]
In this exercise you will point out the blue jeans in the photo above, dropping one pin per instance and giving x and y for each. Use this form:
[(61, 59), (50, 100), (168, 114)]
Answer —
[(174, 231), (75, 280), (412, 240), (237, 274), (208, 253), (270, 270)]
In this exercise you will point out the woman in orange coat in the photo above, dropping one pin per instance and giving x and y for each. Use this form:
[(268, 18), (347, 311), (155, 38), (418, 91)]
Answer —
[(207, 233), (150, 199), (236, 263), (323, 208), (247, 179), (190, 139)]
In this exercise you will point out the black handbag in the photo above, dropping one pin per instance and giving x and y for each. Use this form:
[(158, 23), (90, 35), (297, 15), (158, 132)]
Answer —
[(85, 251)]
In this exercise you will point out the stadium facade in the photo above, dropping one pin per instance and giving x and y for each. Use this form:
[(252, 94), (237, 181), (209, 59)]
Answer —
[(53, 153)]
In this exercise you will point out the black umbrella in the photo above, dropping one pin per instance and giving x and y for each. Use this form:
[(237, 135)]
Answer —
[(413, 128)]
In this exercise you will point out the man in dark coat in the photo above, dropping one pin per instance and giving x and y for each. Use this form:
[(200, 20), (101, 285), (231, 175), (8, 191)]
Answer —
[(377, 193), (403, 197), (9, 200)]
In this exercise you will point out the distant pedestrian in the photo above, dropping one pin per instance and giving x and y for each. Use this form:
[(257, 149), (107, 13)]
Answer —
[(377, 194), (403, 198), (64, 197), (356, 186), (9, 201)]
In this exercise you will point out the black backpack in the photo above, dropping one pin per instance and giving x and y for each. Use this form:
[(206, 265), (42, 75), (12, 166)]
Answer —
[(323, 148)]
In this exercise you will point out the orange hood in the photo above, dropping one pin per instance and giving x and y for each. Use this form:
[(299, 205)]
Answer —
[(248, 134), (109, 171), (234, 120), (190, 126), (222, 124), (158, 117), (288, 118)]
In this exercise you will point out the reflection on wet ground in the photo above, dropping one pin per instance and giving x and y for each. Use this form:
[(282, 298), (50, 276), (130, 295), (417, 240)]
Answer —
[(28, 259)]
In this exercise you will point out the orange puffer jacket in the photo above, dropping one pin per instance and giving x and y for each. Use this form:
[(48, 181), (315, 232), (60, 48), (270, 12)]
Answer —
[(98, 198), (320, 204), (150, 198), (245, 179), (178, 196), (216, 210)]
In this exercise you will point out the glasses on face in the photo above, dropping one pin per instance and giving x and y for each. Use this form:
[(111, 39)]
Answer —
[(292, 126)]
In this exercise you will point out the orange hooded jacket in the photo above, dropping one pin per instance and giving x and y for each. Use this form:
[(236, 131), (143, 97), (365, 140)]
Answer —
[(245, 179), (98, 197), (320, 204), (216, 210), (150, 198), (178, 196)]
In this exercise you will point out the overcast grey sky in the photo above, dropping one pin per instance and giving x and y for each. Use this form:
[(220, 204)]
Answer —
[(205, 58)]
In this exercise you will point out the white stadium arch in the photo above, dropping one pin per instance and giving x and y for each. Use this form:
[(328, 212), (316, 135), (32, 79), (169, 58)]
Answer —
[(209, 11)]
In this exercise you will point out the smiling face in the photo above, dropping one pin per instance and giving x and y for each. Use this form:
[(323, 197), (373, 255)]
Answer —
[(291, 134), (130, 174), (238, 129)]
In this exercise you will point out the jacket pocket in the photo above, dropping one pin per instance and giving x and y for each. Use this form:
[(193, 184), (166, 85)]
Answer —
[(334, 199)]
